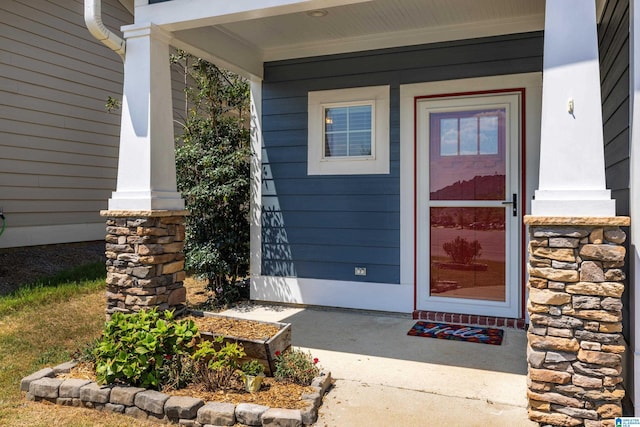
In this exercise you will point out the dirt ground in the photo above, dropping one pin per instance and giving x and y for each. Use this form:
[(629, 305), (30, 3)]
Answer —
[(27, 264)]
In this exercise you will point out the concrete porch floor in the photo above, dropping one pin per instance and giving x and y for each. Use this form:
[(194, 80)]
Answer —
[(383, 377)]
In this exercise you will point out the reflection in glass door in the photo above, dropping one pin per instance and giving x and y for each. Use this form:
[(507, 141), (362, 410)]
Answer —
[(468, 253), (467, 184), (467, 164)]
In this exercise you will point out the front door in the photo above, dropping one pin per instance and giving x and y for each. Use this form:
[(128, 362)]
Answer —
[(467, 197)]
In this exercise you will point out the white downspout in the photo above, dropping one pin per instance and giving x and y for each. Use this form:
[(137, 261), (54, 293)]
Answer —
[(93, 20)]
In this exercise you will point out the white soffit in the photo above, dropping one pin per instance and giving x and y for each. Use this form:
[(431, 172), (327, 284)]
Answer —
[(375, 24)]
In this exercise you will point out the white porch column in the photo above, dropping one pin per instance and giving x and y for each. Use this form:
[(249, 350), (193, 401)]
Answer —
[(572, 178), (146, 165)]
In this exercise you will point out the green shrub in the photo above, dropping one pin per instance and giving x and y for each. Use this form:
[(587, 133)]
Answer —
[(296, 366), (139, 349), (212, 171), (253, 368), (218, 369)]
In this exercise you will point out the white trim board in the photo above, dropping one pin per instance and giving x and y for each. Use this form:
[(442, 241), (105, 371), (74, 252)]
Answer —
[(332, 293), (51, 234), (532, 82), (255, 210), (510, 103), (378, 163)]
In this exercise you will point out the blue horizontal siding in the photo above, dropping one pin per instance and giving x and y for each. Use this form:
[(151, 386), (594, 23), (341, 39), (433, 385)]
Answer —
[(435, 56), (332, 222), (324, 226), (316, 253), (338, 271), (285, 138), (613, 38), (335, 185), (334, 203), (346, 237)]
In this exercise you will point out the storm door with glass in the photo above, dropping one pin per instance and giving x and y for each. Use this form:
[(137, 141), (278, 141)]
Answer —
[(467, 198)]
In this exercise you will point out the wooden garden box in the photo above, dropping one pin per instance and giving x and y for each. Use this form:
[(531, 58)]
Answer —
[(262, 350)]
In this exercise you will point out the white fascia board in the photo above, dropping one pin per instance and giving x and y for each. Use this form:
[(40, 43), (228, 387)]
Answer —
[(14, 237), (222, 49), (177, 15), (406, 38)]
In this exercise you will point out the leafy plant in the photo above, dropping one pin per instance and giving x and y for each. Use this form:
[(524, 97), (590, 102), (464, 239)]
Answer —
[(252, 374), (137, 349), (212, 167), (253, 368), (296, 366), (461, 250), (218, 369)]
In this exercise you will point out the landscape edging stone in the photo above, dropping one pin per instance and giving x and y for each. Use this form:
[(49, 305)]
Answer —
[(43, 385)]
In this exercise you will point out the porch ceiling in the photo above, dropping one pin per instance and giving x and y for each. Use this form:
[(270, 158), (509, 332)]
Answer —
[(244, 43)]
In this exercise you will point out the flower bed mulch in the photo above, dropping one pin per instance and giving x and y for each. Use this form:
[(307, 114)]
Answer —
[(238, 328), (272, 393)]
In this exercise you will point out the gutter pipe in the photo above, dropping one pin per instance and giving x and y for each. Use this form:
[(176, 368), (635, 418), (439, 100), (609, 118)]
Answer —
[(93, 21)]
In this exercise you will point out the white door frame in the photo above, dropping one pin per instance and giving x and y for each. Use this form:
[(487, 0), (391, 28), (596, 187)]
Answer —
[(531, 82), (511, 103)]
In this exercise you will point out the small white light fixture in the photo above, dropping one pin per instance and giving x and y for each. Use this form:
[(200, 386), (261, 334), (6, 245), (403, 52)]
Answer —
[(570, 106), (317, 13)]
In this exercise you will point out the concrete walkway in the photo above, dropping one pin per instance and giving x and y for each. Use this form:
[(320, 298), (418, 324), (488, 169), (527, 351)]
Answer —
[(383, 377)]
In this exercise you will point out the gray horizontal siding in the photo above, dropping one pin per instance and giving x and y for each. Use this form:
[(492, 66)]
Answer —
[(324, 226), (613, 35), (58, 144)]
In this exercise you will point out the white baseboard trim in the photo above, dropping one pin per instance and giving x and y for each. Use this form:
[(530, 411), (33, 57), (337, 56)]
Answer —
[(14, 237), (358, 295)]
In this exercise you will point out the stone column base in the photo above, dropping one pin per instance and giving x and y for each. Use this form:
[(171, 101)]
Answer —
[(145, 260), (575, 345)]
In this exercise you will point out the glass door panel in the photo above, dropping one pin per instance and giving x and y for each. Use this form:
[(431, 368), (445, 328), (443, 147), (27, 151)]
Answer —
[(467, 247), (467, 155), (467, 229), (467, 163)]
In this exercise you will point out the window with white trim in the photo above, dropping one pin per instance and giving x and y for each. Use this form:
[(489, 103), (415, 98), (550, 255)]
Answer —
[(349, 131)]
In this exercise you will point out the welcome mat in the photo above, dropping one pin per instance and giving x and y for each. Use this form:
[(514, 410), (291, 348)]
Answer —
[(448, 331)]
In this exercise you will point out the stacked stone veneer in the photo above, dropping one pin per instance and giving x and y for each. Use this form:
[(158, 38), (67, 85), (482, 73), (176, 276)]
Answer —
[(160, 407), (145, 260), (575, 343)]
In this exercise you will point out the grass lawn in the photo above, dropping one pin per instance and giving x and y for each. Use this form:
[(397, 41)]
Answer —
[(42, 325)]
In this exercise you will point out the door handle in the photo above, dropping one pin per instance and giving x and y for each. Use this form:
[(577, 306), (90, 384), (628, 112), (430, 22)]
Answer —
[(514, 204)]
